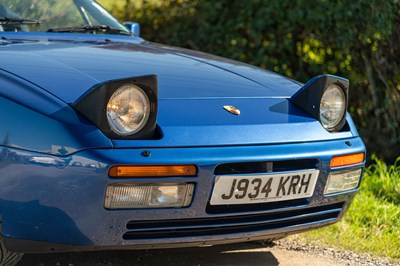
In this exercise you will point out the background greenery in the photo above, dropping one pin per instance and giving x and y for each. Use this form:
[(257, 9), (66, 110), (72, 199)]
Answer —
[(359, 40)]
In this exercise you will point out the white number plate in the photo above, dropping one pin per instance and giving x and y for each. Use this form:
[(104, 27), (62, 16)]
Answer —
[(247, 189)]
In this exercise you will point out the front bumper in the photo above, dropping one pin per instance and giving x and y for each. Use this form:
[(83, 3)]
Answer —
[(56, 203)]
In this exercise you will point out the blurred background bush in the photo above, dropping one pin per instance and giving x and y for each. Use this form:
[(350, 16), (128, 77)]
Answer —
[(359, 40)]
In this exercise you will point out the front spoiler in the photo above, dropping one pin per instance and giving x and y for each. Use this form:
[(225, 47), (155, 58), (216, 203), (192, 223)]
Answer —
[(29, 246)]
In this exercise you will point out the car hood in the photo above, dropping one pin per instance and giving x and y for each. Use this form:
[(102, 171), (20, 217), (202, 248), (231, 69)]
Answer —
[(193, 89), (68, 69)]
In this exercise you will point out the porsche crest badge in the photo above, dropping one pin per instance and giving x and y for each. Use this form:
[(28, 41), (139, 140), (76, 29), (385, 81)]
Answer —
[(232, 109)]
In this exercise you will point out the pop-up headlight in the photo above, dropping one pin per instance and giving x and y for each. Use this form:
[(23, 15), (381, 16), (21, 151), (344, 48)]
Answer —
[(123, 109), (325, 98)]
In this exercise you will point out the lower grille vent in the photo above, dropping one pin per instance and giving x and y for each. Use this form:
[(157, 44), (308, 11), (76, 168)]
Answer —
[(264, 167), (231, 224)]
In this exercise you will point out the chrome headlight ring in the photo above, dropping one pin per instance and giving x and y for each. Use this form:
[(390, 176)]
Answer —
[(128, 110), (332, 107)]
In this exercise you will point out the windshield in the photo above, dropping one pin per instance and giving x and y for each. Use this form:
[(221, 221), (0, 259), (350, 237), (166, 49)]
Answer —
[(85, 16)]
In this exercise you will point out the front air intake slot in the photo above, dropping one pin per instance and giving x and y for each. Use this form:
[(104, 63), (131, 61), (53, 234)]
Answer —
[(231, 224), (265, 166)]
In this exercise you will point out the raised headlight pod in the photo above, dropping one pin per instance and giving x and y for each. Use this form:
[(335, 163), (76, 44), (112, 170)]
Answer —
[(128, 110), (325, 98), (123, 109)]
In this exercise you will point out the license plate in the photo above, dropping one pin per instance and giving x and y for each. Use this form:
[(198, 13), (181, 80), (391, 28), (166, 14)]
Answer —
[(247, 189)]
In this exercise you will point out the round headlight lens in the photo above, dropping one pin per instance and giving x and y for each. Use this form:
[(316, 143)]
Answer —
[(128, 110), (332, 107)]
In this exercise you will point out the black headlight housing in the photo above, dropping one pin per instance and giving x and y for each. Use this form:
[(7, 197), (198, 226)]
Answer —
[(95, 106), (311, 97)]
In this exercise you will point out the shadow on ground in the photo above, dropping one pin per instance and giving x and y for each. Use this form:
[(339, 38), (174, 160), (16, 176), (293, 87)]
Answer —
[(236, 254)]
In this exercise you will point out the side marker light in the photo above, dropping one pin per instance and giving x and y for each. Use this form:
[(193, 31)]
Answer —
[(346, 160)]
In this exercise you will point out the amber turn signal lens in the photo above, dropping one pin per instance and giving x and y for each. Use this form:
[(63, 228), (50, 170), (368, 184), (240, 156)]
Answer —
[(152, 170), (345, 160)]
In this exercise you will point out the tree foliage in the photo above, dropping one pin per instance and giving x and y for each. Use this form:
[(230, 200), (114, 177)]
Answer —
[(358, 40)]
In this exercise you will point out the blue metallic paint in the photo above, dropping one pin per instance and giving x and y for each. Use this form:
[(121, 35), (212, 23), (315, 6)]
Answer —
[(61, 201), (67, 70), (189, 109), (54, 128)]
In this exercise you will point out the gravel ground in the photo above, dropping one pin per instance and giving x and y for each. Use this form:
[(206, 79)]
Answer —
[(342, 257), (286, 252)]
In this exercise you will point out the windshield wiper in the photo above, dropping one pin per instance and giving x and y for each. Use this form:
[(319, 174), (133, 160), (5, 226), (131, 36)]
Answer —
[(17, 21), (92, 29)]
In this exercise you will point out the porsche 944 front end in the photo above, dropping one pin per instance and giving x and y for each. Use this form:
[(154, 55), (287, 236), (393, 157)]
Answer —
[(200, 175), (111, 142)]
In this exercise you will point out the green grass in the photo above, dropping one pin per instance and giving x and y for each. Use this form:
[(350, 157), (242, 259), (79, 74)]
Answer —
[(384, 181), (372, 223)]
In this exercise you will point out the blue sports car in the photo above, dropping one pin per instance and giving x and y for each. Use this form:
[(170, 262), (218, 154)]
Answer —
[(109, 141)]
